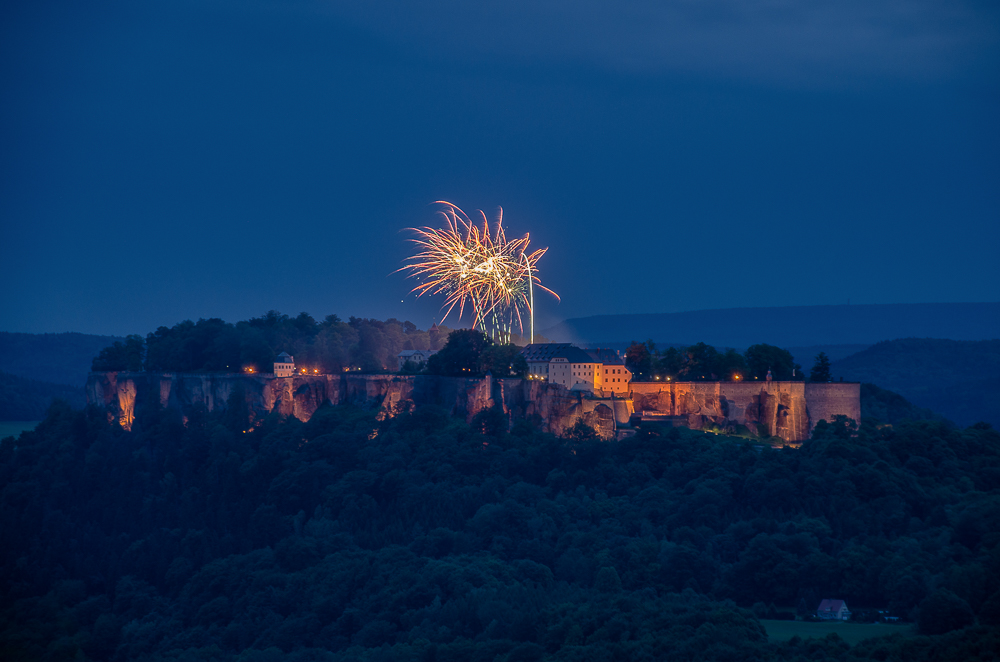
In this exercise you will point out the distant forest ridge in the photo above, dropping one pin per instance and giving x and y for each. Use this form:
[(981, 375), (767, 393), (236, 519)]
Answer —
[(59, 358), (792, 326), (956, 378), (24, 399)]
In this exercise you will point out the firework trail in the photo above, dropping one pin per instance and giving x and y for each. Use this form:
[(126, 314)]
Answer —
[(476, 267)]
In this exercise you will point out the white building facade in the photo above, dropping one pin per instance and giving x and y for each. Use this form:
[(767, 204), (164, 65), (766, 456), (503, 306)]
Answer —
[(601, 371), (418, 357), (284, 366)]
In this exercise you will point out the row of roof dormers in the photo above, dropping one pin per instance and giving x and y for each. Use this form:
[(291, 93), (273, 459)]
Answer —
[(545, 352)]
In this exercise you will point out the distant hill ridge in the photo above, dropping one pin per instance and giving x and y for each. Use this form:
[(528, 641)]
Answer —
[(960, 379), (792, 326), (28, 399), (59, 358)]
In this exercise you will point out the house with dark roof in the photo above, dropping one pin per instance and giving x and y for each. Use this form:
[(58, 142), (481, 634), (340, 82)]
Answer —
[(833, 610), (284, 366), (418, 357), (598, 370)]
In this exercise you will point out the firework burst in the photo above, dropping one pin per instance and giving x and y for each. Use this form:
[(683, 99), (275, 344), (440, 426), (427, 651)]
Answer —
[(477, 267)]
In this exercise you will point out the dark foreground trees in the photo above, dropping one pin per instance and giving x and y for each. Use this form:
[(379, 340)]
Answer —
[(423, 538)]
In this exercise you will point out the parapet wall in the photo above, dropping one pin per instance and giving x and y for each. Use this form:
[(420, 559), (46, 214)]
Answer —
[(557, 408), (828, 400), (788, 410)]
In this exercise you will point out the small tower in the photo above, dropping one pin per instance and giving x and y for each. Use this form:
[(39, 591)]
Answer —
[(284, 366), (433, 334)]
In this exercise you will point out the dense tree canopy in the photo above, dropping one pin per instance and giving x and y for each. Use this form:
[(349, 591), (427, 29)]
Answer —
[(470, 353), (701, 361), (28, 400), (213, 345), (421, 537), (120, 355), (763, 358)]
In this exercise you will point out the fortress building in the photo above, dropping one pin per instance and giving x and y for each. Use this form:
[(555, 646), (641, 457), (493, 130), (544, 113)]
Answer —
[(599, 371)]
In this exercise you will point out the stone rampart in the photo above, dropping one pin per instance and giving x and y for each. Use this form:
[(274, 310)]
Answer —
[(783, 409), (837, 398), (788, 410), (557, 408)]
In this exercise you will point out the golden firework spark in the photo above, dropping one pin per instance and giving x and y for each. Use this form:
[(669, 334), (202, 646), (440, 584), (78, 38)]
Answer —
[(478, 267)]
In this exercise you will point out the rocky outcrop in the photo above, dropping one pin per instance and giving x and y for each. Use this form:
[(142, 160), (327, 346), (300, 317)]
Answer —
[(788, 410), (556, 409), (784, 409)]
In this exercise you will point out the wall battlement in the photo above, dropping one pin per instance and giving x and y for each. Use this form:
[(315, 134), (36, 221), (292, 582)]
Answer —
[(786, 409)]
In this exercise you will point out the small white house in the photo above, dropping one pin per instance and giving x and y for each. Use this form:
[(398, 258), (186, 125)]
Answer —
[(416, 356), (284, 366), (833, 610)]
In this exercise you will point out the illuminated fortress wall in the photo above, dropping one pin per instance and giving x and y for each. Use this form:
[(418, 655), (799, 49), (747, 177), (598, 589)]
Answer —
[(786, 409), (300, 396), (828, 400)]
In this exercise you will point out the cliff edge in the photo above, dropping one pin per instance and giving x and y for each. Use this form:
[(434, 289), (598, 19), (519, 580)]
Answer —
[(788, 410)]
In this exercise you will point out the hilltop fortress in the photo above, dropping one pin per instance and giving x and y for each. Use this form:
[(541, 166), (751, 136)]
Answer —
[(788, 410)]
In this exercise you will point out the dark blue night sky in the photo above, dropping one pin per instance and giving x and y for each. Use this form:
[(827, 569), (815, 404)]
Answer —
[(173, 160)]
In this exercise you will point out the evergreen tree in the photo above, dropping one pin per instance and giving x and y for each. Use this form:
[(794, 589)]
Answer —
[(821, 371)]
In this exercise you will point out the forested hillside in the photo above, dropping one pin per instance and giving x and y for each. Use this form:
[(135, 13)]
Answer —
[(790, 326), (959, 379), (424, 538), (60, 358), (892, 408), (28, 400)]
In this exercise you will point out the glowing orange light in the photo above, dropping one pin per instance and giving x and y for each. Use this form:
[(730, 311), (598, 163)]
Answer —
[(477, 267)]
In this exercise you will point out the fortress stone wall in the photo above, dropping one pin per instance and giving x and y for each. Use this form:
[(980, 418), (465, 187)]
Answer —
[(789, 410), (557, 408), (786, 409), (828, 400)]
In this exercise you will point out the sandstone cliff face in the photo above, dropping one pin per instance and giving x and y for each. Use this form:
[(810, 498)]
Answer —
[(300, 396), (786, 409)]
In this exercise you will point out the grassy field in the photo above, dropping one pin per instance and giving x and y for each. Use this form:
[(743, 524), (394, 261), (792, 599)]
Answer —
[(852, 633), (14, 428)]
